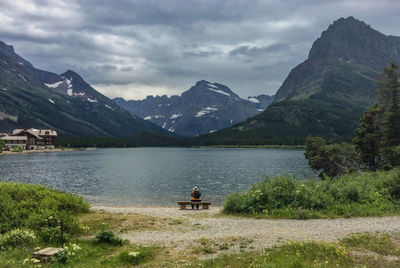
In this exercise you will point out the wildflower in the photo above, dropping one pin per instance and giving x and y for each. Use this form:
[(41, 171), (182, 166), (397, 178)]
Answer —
[(35, 260), (134, 253)]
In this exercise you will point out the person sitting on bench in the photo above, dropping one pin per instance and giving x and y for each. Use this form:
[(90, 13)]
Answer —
[(196, 197)]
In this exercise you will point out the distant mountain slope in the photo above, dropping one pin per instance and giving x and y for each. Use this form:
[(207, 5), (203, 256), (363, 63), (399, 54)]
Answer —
[(326, 94), (30, 97), (204, 108)]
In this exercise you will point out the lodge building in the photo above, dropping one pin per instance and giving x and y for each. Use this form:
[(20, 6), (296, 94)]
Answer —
[(31, 139)]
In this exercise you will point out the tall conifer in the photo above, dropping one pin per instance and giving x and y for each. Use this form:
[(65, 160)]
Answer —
[(391, 120)]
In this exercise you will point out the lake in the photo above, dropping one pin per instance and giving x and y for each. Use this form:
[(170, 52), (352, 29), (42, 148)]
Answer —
[(153, 176)]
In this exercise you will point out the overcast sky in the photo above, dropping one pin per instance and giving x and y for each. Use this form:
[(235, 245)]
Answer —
[(137, 48)]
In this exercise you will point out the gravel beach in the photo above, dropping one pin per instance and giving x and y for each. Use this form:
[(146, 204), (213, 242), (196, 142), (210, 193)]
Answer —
[(260, 233)]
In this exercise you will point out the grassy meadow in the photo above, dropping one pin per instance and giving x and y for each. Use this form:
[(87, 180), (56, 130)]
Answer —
[(32, 217)]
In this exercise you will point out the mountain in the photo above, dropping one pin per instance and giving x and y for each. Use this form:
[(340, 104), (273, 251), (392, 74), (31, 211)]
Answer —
[(326, 94), (204, 108), (30, 97)]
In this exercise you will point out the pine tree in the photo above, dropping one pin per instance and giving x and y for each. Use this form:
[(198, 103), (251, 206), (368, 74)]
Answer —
[(391, 120), (368, 137)]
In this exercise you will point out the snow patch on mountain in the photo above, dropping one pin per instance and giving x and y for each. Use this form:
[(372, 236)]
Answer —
[(50, 100), (174, 116), (91, 100), (205, 111), (219, 91), (109, 107), (212, 85), (147, 117), (252, 99), (22, 77), (54, 85)]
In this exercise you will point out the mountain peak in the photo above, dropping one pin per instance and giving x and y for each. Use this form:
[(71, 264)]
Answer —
[(355, 41), (73, 76), (204, 86), (69, 73), (6, 48)]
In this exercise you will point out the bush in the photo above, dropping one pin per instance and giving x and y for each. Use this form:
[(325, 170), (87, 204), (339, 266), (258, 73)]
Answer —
[(2, 145), (368, 194), (16, 149), (136, 256), (61, 257), (16, 238), (108, 237), (31, 206), (52, 235)]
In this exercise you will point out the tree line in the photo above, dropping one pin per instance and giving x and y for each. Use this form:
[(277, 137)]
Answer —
[(376, 145)]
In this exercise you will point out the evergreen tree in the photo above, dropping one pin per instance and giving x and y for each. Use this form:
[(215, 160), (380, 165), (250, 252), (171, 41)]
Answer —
[(332, 160), (391, 123), (368, 136), (2, 145)]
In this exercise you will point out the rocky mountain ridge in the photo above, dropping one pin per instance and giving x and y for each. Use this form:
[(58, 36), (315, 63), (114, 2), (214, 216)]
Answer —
[(326, 94), (30, 97), (204, 108)]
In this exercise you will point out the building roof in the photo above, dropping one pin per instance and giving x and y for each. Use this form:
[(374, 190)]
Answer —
[(15, 138), (37, 132)]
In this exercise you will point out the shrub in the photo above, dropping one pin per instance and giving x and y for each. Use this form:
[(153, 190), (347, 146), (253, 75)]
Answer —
[(30, 206), (367, 194), (16, 238), (70, 251), (108, 237), (16, 149), (52, 235), (61, 257), (2, 145), (136, 256)]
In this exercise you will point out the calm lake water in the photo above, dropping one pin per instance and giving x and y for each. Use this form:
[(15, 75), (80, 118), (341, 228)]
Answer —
[(152, 176)]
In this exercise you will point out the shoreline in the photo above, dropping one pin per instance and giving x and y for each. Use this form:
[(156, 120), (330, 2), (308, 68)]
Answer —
[(254, 146), (37, 151), (185, 228)]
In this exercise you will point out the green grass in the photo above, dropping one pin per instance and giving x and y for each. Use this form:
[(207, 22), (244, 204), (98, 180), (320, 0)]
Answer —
[(380, 243), (352, 195), (317, 254), (291, 254), (89, 255), (40, 211)]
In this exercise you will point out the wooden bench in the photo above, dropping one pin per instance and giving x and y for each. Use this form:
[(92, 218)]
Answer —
[(183, 204)]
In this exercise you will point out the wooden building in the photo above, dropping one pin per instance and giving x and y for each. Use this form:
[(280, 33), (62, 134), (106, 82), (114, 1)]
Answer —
[(31, 139), (15, 141)]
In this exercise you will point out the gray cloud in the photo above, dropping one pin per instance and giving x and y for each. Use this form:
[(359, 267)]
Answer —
[(254, 52), (135, 48)]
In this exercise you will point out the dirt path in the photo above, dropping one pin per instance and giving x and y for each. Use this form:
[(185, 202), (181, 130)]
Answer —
[(254, 233)]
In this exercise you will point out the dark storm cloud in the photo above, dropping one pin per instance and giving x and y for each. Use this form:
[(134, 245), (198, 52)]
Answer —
[(135, 48)]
